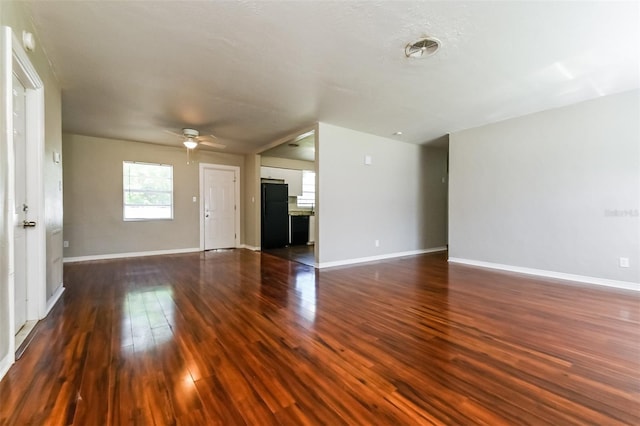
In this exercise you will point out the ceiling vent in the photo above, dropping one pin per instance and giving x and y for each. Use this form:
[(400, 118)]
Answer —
[(422, 48)]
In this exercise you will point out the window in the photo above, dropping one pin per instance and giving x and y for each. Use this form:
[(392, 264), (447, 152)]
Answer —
[(147, 191), (308, 197)]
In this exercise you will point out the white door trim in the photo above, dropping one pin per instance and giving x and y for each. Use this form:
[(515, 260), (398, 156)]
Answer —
[(36, 237), (7, 318), (17, 62), (236, 171)]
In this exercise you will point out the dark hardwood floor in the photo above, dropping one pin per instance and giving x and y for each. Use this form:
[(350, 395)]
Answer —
[(299, 253), (238, 337)]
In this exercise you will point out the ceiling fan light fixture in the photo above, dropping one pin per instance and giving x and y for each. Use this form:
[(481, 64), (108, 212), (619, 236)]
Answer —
[(422, 48), (190, 143)]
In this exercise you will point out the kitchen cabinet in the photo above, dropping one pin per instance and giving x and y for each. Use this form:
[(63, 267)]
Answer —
[(291, 177), (271, 173), (294, 179), (299, 230)]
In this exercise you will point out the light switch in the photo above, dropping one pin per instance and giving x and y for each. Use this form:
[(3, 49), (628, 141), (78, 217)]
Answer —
[(195, 199), (367, 160)]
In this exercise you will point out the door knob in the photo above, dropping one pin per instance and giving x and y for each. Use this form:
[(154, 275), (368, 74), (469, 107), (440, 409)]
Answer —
[(28, 224)]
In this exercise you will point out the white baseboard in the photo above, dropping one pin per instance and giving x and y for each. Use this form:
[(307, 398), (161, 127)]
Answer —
[(54, 299), (378, 257), (627, 285), (130, 254), (248, 247), (7, 362)]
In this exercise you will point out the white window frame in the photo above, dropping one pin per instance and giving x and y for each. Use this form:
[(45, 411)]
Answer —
[(124, 191)]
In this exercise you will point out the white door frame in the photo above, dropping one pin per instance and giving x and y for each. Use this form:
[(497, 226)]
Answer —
[(14, 60), (236, 171)]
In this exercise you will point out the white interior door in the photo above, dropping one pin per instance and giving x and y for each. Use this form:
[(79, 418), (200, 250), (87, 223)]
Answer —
[(219, 208), (21, 207)]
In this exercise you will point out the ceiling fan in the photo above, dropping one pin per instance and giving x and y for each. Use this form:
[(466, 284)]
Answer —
[(191, 139)]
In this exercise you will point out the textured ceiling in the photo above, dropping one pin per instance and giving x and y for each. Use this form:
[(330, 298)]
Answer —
[(252, 72), (298, 148)]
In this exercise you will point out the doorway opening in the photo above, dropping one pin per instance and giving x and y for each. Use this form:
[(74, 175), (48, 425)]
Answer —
[(289, 200)]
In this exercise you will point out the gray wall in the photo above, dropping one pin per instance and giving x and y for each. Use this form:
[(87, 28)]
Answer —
[(385, 201), (93, 222), (434, 194), (542, 191)]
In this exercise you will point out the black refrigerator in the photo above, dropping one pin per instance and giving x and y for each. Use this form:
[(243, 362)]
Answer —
[(275, 215)]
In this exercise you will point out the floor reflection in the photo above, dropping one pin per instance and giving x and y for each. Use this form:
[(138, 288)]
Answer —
[(302, 254), (274, 289), (306, 288), (292, 286), (147, 316)]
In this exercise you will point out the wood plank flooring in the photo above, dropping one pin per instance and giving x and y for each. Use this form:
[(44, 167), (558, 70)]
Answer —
[(300, 253), (236, 337)]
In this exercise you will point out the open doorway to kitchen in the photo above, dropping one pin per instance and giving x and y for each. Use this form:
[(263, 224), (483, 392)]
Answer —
[(288, 213)]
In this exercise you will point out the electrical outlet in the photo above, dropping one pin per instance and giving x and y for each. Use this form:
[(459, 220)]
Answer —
[(624, 262), (377, 243), (65, 244)]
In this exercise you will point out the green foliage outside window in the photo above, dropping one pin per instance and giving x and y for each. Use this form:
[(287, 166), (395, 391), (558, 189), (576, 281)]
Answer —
[(148, 191)]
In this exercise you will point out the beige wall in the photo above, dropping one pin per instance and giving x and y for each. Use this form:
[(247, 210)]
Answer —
[(251, 199), (93, 197), (14, 15)]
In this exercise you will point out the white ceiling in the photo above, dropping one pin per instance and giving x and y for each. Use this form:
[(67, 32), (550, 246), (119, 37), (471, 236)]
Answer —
[(252, 72), (302, 147)]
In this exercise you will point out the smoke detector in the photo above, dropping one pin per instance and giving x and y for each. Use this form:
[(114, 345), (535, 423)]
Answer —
[(422, 48)]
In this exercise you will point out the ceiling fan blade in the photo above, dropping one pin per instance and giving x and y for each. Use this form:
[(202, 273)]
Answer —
[(213, 144), (205, 137), (180, 135)]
